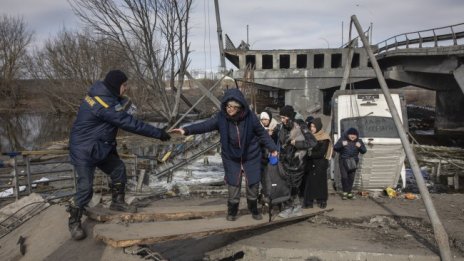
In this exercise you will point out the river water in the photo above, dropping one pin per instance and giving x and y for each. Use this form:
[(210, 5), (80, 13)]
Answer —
[(32, 131)]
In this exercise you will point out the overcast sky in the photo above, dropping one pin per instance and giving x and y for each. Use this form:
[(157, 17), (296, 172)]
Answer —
[(273, 24)]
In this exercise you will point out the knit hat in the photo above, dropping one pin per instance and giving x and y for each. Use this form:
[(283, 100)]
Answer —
[(113, 81), (309, 119), (352, 131), (264, 116), (287, 111)]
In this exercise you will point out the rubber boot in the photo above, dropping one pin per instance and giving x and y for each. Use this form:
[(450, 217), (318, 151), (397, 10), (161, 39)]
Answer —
[(74, 224), (117, 199), (253, 207), (232, 210)]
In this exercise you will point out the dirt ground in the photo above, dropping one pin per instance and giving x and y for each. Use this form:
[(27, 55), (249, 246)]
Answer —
[(366, 225)]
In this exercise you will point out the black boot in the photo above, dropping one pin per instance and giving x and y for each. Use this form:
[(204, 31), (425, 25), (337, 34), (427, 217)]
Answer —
[(232, 210), (322, 203), (253, 207), (74, 224), (117, 199)]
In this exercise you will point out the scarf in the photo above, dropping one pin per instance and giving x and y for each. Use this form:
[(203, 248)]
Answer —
[(322, 135), (245, 137)]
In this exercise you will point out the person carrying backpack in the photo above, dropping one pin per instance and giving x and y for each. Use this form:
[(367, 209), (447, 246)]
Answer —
[(294, 139)]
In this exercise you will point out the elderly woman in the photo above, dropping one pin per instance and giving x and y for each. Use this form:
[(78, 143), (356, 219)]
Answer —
[(241, 133)]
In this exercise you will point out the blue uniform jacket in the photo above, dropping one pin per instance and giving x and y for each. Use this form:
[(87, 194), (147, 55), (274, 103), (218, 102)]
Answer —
[(93, 134), (240, 140)]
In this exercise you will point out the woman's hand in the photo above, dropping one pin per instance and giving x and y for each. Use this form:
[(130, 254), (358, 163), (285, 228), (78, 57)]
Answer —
[(179, 130)]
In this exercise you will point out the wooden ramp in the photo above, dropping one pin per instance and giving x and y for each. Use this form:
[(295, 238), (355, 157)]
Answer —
[(129, 234)]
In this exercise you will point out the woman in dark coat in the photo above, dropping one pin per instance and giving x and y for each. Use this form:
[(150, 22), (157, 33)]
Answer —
[(349, 146), (316, 168), (241, 133)]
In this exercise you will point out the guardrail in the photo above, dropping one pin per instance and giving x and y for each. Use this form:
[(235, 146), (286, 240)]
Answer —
[(28, 173), (26, 176), (417, 39)]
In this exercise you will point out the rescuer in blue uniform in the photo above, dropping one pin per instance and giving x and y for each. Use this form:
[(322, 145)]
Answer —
[(93, 145)]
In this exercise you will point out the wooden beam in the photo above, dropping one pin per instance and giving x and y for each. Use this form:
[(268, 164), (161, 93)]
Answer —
[(129, 234), (205, 91)]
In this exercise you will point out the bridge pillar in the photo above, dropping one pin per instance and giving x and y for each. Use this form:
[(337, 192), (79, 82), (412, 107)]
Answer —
[(327, 60), (293, 61), (310, 61), (449, 114), (259, 61), (276, 61)]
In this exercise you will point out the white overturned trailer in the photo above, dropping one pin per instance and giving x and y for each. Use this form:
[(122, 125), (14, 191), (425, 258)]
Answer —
[(366, 110)]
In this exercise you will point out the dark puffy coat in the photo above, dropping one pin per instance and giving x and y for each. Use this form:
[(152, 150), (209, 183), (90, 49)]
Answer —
[(350, 150), (240, 140), (93, 134)]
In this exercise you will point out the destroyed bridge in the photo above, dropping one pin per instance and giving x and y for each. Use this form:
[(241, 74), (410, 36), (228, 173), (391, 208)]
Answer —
[(307, 78)]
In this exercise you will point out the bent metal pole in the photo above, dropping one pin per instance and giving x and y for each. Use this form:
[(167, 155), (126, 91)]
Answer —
[(440, 233)]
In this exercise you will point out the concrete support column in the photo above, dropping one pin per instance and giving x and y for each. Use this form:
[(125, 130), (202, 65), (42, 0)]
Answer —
[(259, 61), (363, 59), (293, 61), (242, 62), (276, 61), (310, 61), (327, 60)]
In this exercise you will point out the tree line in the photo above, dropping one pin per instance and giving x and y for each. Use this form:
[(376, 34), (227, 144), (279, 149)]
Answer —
[(147, 39)]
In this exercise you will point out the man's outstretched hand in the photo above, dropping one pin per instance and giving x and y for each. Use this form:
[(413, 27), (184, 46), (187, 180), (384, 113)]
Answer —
[(179, 130)]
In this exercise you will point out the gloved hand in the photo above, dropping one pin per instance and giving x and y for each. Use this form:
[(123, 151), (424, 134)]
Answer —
[(164, 135)]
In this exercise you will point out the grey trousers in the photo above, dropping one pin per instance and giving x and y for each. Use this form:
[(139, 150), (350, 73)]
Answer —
[(234, 192)]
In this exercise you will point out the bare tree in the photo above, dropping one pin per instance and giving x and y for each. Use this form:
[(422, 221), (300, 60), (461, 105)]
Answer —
[(14, 39), (153, 35), (70, 63)]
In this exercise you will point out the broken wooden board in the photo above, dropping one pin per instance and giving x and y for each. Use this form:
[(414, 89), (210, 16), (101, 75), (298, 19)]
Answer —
[(129, 234)]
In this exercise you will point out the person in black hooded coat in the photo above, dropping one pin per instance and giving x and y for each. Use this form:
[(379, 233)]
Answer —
[(349, 146), (241, 133), (316, 168)]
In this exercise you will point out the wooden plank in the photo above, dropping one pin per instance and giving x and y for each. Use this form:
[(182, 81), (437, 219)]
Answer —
[(129, 234), (161, 213)]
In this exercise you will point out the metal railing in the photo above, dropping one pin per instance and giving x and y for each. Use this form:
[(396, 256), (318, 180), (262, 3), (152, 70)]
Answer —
[(27, 173), (26, 176), (417, 39)]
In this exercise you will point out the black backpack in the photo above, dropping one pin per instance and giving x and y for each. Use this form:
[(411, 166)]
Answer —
[(275, 186)]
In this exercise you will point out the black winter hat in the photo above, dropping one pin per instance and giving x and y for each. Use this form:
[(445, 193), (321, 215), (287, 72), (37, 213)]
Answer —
[(309, 119), (352, 131), (287, 111), (113, 81)]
